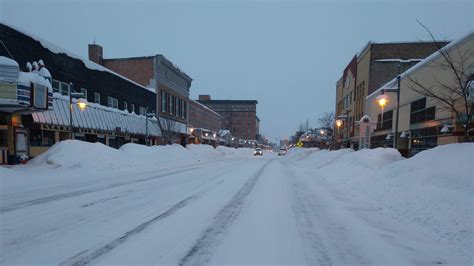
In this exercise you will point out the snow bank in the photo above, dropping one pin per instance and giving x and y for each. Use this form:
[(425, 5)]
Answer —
[(433, 189), (75, 154), (204, 152), (157, 154), (79, 154)]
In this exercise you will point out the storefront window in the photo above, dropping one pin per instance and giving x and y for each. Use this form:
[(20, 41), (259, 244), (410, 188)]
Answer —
[(41, 138)]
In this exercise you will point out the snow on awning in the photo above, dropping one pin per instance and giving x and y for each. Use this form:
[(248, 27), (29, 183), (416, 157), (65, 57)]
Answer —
[(95, 117)]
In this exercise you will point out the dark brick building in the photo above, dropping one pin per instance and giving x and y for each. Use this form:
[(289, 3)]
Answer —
[(240, 116)]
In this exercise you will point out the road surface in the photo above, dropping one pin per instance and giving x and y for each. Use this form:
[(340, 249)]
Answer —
[(254, 210)]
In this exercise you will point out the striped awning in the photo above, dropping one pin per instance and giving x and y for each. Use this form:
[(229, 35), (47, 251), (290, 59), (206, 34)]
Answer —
[(96, 117)]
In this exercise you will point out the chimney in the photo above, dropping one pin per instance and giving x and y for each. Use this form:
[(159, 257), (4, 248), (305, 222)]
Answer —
[(206, 97), (95, 53)]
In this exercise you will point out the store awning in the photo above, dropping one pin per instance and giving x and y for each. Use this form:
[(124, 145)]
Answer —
[(96, 117)]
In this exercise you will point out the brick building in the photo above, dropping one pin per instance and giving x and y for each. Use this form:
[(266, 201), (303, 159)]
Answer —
[(201, 120), (240, 116), (375, 65), (158, 74)]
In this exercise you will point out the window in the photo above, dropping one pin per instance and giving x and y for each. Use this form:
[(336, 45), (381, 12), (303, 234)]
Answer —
[(141, 110), (163, 101), (125, 105), (41, 138), (185, 110), (64, 88), (56, 86), (387, 120), (97, 97), (112, 102), (424, 138), (84, 91), (419, 113), (171, 99), (176, 106), (133, 107)]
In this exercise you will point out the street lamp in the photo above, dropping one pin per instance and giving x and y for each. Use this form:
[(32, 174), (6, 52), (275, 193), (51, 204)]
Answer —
[(81, 103)]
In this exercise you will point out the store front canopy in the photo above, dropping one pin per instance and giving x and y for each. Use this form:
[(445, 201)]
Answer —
[(96, 117)]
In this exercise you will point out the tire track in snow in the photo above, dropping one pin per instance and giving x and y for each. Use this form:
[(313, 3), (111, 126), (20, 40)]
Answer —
[(87, 256), (76, 193), (200, 252)]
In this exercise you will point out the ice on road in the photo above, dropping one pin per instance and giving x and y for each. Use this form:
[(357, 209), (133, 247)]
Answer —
[(238, 210)]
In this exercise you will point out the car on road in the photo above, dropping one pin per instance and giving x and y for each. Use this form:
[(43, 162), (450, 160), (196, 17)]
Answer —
[(258, 152), (282, 151)]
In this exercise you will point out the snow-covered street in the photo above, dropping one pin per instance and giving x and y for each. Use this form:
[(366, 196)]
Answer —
[(309, 207)]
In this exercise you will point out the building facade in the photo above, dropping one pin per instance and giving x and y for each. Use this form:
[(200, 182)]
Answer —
[(203, 123), (107, 92), (240, 116), (158, 74), (375, 65), (421, 118)]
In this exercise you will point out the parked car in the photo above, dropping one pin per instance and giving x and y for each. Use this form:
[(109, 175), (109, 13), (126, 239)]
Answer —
[(282, 151), (258, 151)]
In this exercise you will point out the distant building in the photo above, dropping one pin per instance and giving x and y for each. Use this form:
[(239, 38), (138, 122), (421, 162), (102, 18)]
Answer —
[(158, 74), (204, 123), (240, 116)]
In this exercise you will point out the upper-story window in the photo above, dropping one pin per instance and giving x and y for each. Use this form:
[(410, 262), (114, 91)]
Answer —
[(97, 97), (419, 113), (141, 110), (183, 109), (164, 96), (56, 86), (112, 102), (84, 91), (125, 105), (64, 88), (176, 106), (171, 104)]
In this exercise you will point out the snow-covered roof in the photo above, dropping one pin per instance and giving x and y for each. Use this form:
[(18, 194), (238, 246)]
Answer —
[(205, 107), (8, 62), (95, 116), (57, 50), (392, 83), (399, 60)]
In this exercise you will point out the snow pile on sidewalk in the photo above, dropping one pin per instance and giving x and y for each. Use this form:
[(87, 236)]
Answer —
[(79, 154), (433, 189), (75, 154)]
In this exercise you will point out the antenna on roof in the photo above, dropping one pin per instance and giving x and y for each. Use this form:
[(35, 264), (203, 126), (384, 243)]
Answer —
[(94, 39)]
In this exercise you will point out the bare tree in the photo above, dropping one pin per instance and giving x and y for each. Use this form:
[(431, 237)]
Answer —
[(453, 94), (326, 121), (169, 129)]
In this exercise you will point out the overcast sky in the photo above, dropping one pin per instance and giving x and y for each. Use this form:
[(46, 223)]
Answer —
[(288, 55)]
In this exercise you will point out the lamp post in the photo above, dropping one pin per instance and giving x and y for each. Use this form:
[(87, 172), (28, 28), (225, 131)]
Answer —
[(81, 103), (397, 91)]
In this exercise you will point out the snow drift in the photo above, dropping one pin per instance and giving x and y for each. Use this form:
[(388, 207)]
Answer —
[(433, 189)]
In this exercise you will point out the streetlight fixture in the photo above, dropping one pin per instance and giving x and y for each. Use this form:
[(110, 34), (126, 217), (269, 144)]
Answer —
[(81, 103)]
